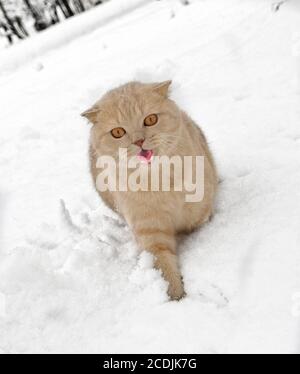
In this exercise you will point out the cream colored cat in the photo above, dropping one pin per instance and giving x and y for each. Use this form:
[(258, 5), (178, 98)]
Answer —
[(144, 120)]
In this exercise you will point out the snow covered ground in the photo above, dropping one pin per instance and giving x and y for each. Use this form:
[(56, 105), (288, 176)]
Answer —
[(71, 277)]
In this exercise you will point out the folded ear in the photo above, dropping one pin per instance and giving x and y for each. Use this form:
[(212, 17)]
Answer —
[(162, 88), (91, 114)]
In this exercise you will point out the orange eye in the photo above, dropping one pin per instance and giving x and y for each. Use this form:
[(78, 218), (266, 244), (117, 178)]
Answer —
[(118, 132), (151, 120)]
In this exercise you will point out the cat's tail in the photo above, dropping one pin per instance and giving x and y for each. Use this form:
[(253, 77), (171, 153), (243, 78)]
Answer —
[(162, 244)]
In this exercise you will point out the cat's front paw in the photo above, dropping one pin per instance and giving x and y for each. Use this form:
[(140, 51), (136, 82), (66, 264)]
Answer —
[(176, 290)]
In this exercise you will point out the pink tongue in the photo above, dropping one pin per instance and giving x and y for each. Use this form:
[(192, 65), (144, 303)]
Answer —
[(145, 155)]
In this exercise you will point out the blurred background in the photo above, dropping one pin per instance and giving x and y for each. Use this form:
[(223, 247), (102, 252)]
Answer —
[(20, 18)]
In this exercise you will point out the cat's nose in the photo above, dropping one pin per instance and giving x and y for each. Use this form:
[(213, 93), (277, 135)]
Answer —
[(139, 142)]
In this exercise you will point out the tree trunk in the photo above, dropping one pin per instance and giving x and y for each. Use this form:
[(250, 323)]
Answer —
[(79, 6), (9, 21), (33, 11), (65, 7)]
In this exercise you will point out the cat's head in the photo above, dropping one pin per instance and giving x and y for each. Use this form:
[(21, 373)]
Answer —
[(136, 116)]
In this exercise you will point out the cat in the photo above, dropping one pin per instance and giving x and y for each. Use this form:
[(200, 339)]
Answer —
[(142, 118)]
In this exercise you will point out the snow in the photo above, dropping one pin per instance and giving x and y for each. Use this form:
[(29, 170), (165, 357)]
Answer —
[(71, 275), (55, 37)]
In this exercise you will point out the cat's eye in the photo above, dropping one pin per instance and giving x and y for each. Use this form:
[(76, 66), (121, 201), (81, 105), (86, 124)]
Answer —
[(118, 132), (151, 120)]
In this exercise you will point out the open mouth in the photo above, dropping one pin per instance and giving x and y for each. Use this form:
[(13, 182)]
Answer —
[(145, 155)]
